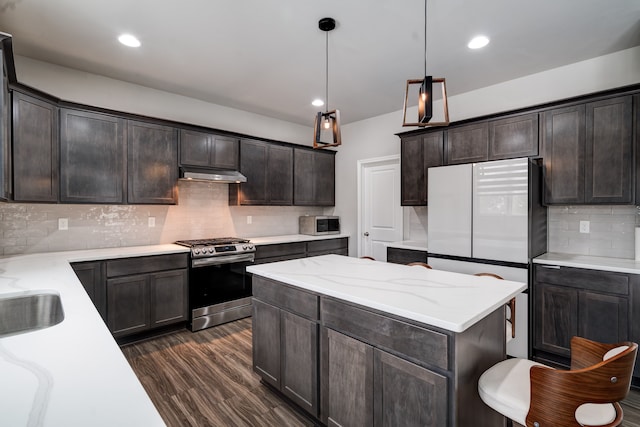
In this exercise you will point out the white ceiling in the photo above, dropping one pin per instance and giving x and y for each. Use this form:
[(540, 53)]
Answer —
[(268, 57)]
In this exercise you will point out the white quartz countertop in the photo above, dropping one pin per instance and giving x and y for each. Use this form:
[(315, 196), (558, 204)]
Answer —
[(291, 238), (73, 373), (443, 299), (414, 245), (620, 265)]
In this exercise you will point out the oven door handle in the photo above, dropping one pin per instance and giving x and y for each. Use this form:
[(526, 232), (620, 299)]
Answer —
[(227, 259)]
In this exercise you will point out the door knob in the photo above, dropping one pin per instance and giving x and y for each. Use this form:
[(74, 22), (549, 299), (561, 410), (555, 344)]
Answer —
[(366, 234)]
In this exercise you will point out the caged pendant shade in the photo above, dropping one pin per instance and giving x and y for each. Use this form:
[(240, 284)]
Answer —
[(326, 130), (425, 93)]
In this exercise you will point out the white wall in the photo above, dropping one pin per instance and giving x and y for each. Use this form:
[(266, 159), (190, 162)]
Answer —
[(85, 88), (375, 137)]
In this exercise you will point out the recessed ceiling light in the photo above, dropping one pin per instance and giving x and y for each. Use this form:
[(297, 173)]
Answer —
[(129, 40), (478, 42), (317, 103)]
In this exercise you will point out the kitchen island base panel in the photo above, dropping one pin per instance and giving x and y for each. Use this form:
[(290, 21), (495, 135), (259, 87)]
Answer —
[(437, 391)]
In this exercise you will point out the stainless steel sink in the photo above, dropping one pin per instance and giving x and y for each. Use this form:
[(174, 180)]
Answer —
[(29, 311)]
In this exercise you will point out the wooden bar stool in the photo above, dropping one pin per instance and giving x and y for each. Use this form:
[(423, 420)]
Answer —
[(537, 395), (511, 317), (421, 264)]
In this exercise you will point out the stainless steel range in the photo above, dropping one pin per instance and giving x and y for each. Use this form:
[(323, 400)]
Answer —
[(219, 288)]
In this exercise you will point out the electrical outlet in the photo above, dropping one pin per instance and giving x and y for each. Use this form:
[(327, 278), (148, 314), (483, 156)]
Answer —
[(63, 223), (249, 219), (584, 226), (152, 221)]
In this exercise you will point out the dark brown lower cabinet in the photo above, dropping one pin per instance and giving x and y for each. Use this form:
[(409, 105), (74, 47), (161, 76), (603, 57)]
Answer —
[(169, 300), (266, 342), (296, 250), (144, 293), (350, 381), (594, 304), (92, 276), (367, 384), (146, 301), (299, 355), (406, 394), (128, 305), (327, 247), (405, 256), (285, 352), (347, 365)]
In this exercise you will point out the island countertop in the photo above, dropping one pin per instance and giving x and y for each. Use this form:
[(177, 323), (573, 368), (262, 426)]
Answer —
[(450, 301)]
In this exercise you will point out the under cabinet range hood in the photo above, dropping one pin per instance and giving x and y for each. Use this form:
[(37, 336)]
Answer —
[(210, 174)]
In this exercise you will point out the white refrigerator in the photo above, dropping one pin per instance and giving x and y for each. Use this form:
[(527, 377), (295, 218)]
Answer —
[(488, 218)]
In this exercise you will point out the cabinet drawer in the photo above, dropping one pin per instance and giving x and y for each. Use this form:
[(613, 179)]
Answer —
[(343, 251), (327, 245), (281, 250), (146, 264), (405, 256), (416, 343), (594, 280), (286, 297)]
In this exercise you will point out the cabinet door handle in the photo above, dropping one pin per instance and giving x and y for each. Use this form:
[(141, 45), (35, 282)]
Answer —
[(555, 267)]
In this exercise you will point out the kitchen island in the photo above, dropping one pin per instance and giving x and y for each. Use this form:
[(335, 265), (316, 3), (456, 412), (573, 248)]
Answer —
[(352, 340)]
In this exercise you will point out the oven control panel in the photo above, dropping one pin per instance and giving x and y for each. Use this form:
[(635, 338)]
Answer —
[(217, 250)]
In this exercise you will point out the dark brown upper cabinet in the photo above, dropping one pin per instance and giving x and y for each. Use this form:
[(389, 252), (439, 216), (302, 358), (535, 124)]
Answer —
[(609, 164), (417, 154), (208, 150), (588, 153), (35, 149), (5, 129), (269, 171), (92, 157), (513, 137), (313, 177), (152, 167), (468, 143)]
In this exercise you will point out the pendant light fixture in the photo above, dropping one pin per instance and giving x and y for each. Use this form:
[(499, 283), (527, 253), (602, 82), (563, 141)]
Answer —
[(425, 92), (326, 130)]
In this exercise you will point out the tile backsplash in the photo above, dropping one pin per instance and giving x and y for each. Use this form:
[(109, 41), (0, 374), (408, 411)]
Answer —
[(202, 211), (611, 230), (415, 223)]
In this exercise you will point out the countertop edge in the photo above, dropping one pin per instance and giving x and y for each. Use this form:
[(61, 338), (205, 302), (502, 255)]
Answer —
[(293, 238), (616, 265)]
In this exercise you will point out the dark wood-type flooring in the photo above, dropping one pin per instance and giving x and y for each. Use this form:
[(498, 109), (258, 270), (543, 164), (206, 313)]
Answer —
[(206, 379)]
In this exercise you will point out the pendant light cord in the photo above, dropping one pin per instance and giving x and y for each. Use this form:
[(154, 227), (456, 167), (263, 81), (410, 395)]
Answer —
[(326, 86), (425, 37)]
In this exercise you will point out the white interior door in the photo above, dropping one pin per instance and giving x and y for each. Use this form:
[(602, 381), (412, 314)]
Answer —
[(380, 210)]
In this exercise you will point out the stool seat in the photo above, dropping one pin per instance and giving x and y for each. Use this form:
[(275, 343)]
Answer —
[(506, 388), (533, 394)]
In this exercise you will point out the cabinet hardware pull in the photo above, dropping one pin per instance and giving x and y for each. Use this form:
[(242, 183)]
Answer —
[(555, 267)]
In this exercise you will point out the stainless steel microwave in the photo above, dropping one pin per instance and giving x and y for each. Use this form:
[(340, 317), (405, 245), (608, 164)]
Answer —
[(318, 225)]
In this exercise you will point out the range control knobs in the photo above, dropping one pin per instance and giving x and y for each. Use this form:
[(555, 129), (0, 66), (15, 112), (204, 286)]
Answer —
[(196, 251)]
